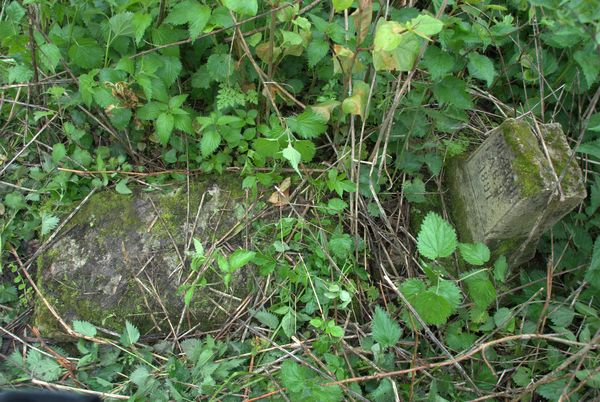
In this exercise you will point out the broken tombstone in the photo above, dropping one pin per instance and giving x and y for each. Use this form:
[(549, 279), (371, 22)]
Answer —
[(122, 257), (514, 187)]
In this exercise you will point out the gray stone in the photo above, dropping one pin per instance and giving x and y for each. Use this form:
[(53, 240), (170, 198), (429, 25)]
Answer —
[(116, 260), (506, 193)]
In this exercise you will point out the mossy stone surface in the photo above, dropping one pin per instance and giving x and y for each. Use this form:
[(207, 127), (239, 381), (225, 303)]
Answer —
[(116, 259), (506, 192)]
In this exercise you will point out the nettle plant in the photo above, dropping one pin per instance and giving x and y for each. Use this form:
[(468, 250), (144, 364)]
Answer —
[(436, 298)]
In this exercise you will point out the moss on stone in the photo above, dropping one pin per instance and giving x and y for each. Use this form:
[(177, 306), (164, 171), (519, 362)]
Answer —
[(523, 144)]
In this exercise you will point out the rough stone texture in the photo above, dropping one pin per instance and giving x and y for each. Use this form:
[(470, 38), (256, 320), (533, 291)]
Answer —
[(505, 193), (116, 260)]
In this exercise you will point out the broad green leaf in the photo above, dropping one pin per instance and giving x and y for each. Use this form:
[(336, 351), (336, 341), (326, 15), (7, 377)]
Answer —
[(49, 56), (42, 367), (130, 335), (19, 74), (170, 70), (140, 22), (293, 157), (265, 147), (412, 287), (291, 38), (209, 142), (122, 24), (481, 68), (436, 238), (151, 110), (479, 288), (385, 330), (248, 8), (306, 148), (453, 91), (414, 190), (562, 316), (433, 308), (239, 258), (500, 269), (308, 124), (122, 188), (140, 376), (58, 152), (266, 318), (341, 5), (388, 36), (591, 148), (426, 25), (437, 62), (49, 222), (15, 201), (164, 127), (84, 328), (474, 253), (288, 324), (591, 377), (86, 53), (192, 13), (316, 50), (357, 103), (402, 58), (220, 66)]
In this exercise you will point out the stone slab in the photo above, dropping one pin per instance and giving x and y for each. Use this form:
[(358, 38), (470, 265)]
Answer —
[(116, 259), (506, 193)]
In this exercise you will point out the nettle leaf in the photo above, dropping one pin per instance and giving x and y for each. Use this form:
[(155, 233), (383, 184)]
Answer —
[(436, 238), (164, 127), (500, 269), (239, 258), (84, 328), (316, 50), (562, 316), (589, 62), (480, 288), (42, 367), (191, 12), (122, 188), (121, 24), (220, 66), (268, 319), (130, 335), (293, 157), (49, 222), (386, 331), (58, 152), (151, 110), (19, 74), (86, 53), (248, 8), (481, 67), (209, 142), (140, 22), (265, 147), (306, 148), (414, 190), (474, 253), (453, 91), (308, 124), (170, 69), (49, 55), (433, 308), (437, 62)]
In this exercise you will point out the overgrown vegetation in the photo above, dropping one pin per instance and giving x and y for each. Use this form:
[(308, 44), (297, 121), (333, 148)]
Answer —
[(373, 297)]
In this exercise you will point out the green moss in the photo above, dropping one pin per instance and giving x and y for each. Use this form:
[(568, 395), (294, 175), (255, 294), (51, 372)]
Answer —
[(522, 142)]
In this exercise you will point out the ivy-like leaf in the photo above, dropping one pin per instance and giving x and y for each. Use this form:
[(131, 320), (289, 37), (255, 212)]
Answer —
[(436, 238)]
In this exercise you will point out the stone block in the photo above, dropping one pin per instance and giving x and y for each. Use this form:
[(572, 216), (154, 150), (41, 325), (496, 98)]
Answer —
[(510, 190)]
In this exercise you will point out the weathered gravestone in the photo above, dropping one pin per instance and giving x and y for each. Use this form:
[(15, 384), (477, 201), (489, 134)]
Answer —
[(507, 193), (116, 260)]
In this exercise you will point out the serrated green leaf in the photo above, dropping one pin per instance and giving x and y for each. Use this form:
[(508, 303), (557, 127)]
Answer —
[(437, 62), (316, 50), (553, 391), (84, 328), (436, 238), (164, 127), (220, 66), (266, 318), (130, 335), (453, 91), (589, 62), (248, 8), (433, 308), (58, 152), (386, 331), (308, 124), (293, 157), (19, 74), (481, 67), (121, 24), (49, 222), (209, 142), (140, 22), (122, 188), (49, 55), (43, 368), (479, 288), (341, 5), (562, 316), (239, 258), (474, 253), (306, 148), (140, 376), (86, 53), (414, 190)]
